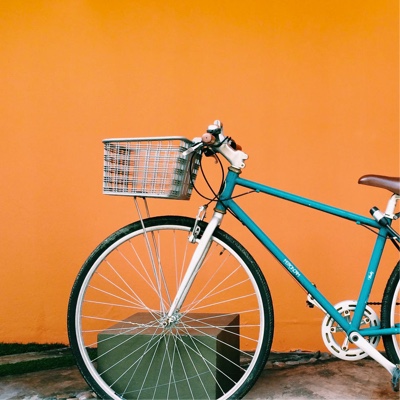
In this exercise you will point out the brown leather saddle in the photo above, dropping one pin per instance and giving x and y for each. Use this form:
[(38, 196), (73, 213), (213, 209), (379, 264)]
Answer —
[(385, 182)]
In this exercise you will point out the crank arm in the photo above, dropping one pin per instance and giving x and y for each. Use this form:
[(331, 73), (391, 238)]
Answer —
[(364, 345)]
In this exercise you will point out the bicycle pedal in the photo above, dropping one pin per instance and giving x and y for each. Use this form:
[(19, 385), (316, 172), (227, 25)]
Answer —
[(396, 378)]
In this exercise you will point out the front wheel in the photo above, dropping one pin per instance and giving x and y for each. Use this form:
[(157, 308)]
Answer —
[(218, 343), (390, 315)]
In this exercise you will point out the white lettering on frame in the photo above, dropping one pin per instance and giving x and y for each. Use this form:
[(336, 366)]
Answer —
[(291, 267)]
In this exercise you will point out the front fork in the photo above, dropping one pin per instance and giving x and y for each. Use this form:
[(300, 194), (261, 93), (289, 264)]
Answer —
[(194, 265)]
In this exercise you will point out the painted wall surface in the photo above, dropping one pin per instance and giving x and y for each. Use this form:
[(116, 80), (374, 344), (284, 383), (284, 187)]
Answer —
[(309, 88)]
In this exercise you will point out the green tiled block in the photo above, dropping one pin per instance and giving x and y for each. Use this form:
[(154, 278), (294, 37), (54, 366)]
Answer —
[(136, 359)]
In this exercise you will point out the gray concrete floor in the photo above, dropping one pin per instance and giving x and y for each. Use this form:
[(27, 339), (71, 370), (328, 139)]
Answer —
[(332, 379)]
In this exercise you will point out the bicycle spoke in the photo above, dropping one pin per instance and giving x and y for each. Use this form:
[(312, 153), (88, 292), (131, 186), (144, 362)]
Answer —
[(128, 346)]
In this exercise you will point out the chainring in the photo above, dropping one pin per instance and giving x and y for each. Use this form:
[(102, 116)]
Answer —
[(336, 340)]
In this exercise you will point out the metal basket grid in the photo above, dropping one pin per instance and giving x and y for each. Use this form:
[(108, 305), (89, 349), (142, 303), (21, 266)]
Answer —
[(150, 167)]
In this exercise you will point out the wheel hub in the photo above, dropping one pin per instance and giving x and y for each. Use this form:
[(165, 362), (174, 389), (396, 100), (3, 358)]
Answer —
[(170, 322)]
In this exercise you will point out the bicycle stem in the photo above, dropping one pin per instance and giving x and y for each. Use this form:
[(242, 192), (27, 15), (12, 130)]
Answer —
[(194, 265)]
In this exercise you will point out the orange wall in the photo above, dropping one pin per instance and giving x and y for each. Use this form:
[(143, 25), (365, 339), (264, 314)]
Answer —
[(309, 88)]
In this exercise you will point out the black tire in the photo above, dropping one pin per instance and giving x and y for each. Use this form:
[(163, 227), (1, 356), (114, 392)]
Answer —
[(390, 314), (220, 342)]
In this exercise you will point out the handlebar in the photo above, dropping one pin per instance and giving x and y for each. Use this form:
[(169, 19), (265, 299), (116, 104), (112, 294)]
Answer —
[(215, 140)]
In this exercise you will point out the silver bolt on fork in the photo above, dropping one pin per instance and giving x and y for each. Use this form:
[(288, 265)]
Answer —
[(195, 232)]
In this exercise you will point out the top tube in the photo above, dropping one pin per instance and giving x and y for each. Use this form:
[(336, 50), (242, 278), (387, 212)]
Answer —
[(258, 187)]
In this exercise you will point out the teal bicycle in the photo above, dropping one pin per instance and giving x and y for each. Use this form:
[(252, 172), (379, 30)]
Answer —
[(172, 307)]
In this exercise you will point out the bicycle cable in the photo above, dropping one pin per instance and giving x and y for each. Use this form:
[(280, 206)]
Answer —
[(216, 195), (386, 237)]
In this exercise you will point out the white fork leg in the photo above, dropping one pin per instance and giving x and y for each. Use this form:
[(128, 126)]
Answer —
[(194, 265)]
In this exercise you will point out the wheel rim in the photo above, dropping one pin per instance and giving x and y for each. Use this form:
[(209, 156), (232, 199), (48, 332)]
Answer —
[(209, 299)]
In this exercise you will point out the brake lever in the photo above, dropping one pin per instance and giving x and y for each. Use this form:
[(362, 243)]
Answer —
[(192, 149)]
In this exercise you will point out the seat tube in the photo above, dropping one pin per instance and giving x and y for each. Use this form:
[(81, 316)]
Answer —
[(369, 277)]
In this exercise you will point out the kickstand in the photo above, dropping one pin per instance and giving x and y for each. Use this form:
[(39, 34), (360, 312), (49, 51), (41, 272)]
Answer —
[(396, 378)]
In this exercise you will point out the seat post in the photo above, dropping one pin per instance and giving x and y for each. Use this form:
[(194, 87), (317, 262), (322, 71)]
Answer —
[(391, 207)]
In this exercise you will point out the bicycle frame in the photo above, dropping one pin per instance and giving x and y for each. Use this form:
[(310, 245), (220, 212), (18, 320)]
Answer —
[(351, 328), (226, 202)]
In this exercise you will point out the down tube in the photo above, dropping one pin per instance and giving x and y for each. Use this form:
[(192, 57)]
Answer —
[(287, 264)]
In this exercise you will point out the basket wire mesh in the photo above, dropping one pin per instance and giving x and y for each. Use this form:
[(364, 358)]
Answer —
[(150, 167)]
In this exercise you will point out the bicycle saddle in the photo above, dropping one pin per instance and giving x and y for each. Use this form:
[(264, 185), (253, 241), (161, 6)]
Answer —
[(384, 182)]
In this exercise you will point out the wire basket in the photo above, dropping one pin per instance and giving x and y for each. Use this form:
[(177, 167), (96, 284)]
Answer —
[(150, 167)]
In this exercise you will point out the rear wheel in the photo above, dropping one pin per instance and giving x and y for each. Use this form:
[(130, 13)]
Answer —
[(218, 343), (390, 315)]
